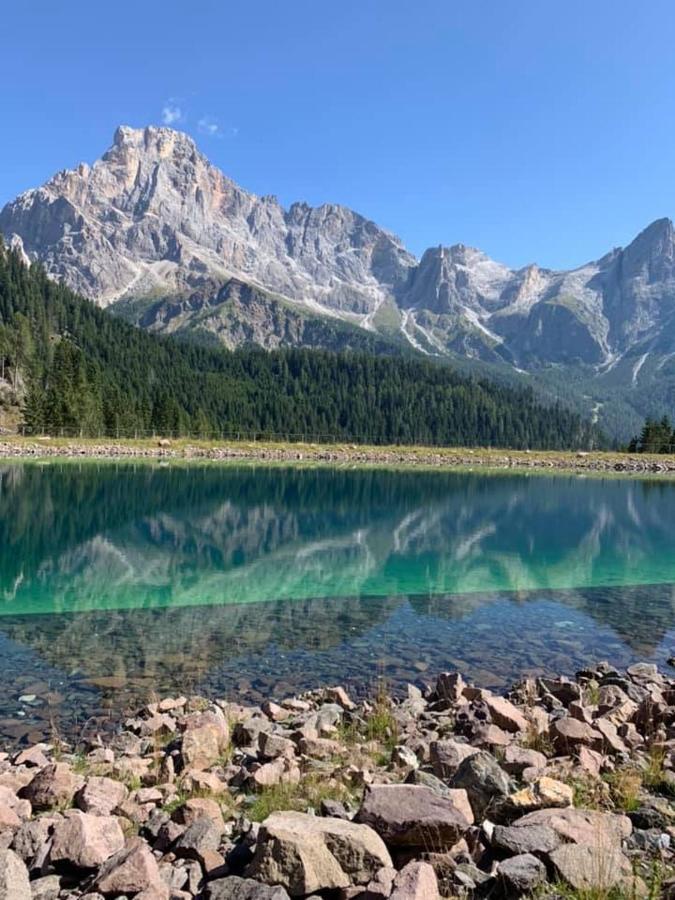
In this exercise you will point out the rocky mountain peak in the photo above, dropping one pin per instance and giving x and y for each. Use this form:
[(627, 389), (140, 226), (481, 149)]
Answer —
[(153, 227), (153, 217), (653, 249)]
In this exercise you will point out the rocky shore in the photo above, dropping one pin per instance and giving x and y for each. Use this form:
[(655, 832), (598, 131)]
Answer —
[(338, 454), (562, 788)]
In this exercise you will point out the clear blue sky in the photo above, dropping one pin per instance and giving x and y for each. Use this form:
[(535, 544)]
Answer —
[(538, 131)]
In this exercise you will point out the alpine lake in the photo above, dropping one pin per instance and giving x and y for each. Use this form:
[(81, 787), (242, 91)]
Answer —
[(124, 581)]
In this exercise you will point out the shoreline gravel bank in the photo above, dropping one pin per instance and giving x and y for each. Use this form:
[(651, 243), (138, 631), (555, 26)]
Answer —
[(339, 454), (562, 787)]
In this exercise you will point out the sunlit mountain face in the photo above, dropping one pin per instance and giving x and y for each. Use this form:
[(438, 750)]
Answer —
[(121, 579)]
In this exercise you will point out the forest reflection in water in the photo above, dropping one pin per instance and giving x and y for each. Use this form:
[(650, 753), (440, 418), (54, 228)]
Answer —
[(121, 579)]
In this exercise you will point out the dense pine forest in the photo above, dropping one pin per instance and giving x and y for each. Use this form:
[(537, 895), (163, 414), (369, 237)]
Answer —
[(79, 370), (657, 436)]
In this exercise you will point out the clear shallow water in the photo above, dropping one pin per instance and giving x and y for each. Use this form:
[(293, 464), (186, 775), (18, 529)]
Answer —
[(119, 580)]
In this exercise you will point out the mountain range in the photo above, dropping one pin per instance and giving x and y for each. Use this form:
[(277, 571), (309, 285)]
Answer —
[(157, 234)]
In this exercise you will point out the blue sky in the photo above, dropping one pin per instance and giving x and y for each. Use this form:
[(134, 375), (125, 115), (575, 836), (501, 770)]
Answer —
[(538, 131)]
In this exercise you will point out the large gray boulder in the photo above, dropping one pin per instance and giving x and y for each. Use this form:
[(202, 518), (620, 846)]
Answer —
[(588, 867), (304, 853), (581, 826), (486, 783), (522, 874), (413, 816)]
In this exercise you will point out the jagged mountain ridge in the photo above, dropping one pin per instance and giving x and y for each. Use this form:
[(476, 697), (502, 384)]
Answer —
[(157, 233)]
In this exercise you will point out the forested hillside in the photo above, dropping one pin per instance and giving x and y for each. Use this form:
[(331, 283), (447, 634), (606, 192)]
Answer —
[(78, 369)]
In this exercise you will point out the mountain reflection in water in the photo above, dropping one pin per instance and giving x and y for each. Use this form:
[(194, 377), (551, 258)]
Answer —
[(120, 579)]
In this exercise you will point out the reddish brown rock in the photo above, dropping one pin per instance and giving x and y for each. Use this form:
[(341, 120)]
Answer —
[(446, 756), (53, 787), (568, 734), (410, 815), (517, 759), (85, 840), (132, 870), (205, 739), (504, 714), (14, 884), (100, 796), (416, 881)]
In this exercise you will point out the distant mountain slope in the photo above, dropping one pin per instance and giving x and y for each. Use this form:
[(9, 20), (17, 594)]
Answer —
[(77, 368), (157, 233)]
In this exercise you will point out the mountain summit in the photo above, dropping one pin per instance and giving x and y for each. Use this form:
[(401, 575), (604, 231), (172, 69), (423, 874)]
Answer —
[(153, 217), (155, 231)]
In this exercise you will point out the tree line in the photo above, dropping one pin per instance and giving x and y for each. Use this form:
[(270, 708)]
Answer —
[(657, 436), (79, 369)]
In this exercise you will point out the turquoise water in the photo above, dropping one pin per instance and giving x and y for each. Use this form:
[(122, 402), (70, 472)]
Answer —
[(118, 579)]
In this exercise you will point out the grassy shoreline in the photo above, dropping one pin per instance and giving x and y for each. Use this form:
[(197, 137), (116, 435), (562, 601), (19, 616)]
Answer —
[(342, 453)]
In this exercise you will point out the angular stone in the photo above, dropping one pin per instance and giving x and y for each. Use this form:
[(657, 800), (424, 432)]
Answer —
[(14, 883), (201, 837), (404, 757), (47, 888), (613, 743), (100, 796), (590, 761), (450, 686), (568, 734), (537, 839), (274, 745), (643, 672), (132, 870), (447, 756), (340, 696), (9, 821), (320, 748), (199, 807), (275, 712), (504, 714), (33, 837), (52, 787), (517, 759), (492, 736), (205, 739), (32, 756), (416, 881), (407, 815), (543, 793), (522, 874), (380, 887), (85, 840), (582, 826), (248, 732), (159, 891), (306, 853), (486, 783), (590, 866), (279, 771), (195, 781), (235, 888), (417, 776)]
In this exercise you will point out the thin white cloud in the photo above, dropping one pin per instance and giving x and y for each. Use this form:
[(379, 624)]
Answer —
[(208, 125), (171, 113)]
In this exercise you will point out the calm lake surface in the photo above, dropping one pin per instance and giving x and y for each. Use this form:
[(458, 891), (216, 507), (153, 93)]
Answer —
[(117, 580)]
